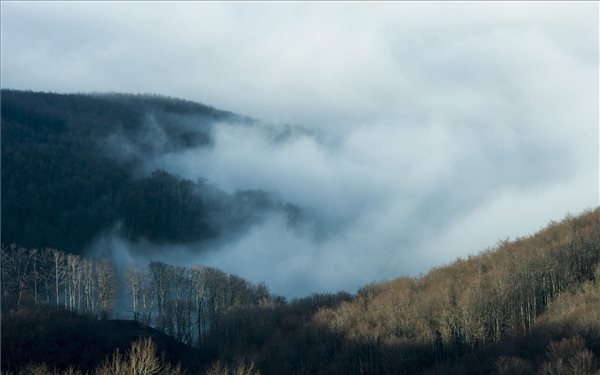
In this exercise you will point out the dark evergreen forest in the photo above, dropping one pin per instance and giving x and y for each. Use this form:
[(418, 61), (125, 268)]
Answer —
[(65, 177)]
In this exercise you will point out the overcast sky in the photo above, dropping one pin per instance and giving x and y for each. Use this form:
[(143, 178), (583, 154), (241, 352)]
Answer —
[(438, 128)]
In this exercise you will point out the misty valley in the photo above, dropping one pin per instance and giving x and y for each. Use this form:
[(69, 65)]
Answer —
[(144, 234)]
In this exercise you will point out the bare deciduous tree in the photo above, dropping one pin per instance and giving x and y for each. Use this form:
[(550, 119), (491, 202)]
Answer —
[(106, 277)]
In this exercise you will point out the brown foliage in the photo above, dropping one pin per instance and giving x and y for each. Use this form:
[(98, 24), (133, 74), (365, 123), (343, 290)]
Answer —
[(569, 356), (140, 360), (565, 348)]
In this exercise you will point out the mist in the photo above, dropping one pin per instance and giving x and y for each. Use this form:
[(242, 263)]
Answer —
[(405, 135), (377, 202)]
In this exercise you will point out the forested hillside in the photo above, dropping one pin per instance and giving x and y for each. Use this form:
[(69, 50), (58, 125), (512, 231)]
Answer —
[(72, 168), (75, 166), (528, 306)]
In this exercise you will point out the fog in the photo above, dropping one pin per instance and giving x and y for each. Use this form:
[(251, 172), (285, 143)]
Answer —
[(408, 133), (391, 199)]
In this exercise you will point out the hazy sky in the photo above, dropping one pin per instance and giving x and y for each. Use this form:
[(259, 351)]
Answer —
[(437, 128)]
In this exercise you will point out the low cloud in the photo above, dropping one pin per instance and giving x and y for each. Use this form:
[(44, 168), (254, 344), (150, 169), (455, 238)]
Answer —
[(392, 199), (414, 132)]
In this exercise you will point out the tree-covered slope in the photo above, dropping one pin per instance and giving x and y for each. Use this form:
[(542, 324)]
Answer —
[(495, 313), (527, 306), (73, 167)]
